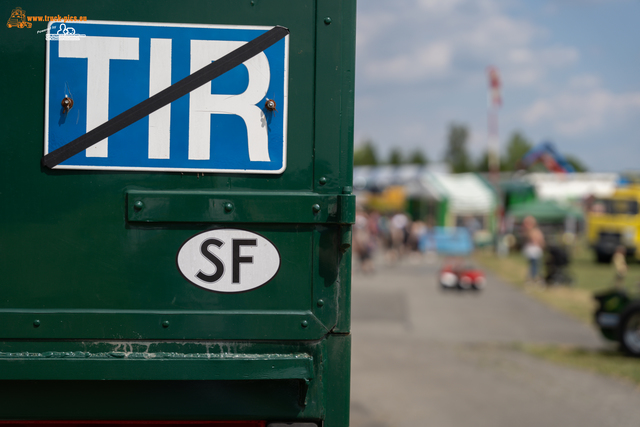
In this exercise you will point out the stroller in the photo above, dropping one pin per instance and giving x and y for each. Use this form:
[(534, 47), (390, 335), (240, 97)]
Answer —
[(556, 266)]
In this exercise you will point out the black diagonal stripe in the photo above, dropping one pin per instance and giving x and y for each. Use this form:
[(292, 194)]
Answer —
[(167, 96)]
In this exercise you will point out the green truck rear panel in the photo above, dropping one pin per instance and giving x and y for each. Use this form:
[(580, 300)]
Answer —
[(90, 287)]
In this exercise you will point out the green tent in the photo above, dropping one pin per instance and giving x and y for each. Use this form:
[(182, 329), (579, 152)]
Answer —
[(544, 211)]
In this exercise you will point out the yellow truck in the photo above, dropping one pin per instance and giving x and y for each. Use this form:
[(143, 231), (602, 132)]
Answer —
[(614, 222)]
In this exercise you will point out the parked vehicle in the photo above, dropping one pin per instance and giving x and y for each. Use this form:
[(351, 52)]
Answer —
[(613, 222), (618, 317), (464, 277), (455, 244)]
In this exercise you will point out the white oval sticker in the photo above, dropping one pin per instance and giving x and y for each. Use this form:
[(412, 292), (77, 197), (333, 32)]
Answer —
[(228, 260)]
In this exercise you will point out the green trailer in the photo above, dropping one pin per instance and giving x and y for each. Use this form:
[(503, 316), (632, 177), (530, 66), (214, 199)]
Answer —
[(177, 210)]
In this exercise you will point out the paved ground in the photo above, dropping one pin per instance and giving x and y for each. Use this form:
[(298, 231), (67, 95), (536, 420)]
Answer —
[(423, 357)]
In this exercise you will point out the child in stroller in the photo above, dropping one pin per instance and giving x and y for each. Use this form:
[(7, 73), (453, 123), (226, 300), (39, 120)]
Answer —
[(556, 266)]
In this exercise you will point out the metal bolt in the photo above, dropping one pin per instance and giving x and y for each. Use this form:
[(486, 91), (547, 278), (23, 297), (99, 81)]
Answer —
[(138, 205), (67, 104), (316, 208), (327, 20), (270, 105), (320, 302), (322, 180), (228, 207), (304, 323), (36, 323), (165, 324)]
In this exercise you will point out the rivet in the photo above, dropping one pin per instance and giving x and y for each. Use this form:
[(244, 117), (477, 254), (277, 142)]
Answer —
[(327, 20), (36, 323), (138, 205), (304, 323), (322, 180), (228, 207), (270, 105), (165, 324), (320, 302), (67, 104), (316, 208)]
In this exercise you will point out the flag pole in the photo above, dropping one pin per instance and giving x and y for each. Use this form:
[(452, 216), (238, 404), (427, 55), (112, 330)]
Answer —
[(493, 149)]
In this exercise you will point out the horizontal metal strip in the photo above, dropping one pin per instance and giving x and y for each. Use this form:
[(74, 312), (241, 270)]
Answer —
[(237, 325), (240, 207), (141, 366)]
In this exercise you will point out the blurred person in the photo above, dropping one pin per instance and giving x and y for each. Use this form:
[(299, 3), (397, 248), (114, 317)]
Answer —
[(534, 245), (427, 242), (473, 225), (374, 229), (619, 261), (415, 231), (362, 242), (384, 235), (398, 233)]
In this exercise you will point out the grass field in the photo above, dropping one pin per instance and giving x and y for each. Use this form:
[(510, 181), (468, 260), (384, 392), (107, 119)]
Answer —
[(576, 301), (607, 362)]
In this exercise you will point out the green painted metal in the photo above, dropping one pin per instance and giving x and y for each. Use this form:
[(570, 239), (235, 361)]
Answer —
[(86, 272), (118, 365), (441, 212), (240, 207), (323, 396)]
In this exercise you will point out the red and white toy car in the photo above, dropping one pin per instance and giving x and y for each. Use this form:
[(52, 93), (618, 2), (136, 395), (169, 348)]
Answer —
[(462, 277)]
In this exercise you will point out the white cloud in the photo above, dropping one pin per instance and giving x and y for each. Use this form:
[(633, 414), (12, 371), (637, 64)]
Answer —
[(584, 106), (428, 61), (407, 41)]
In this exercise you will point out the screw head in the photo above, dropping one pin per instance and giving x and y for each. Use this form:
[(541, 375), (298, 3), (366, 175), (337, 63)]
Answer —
[(228, 207), (327, 20), (165, 324), (304, 323), (67, 104), (36, 323), (138, 205), (322, 180), (270, 105), (320, 302), (316, 208)]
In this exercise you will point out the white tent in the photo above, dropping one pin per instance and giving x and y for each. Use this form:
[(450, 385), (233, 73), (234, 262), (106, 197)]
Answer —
[(467, 193), (572, 186)]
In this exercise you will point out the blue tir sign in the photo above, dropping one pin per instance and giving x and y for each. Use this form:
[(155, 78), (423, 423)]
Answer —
[(106, 68)]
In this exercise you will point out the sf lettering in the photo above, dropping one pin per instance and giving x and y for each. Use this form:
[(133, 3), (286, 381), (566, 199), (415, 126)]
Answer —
[(236, 259)]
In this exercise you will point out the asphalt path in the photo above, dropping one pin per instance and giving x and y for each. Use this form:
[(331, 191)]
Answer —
[(426, 357)]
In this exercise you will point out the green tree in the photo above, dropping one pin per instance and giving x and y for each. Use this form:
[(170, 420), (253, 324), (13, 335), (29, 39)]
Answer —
[(365, 155), (395, 157), (483, 163), (456, 154), (418, 158), (517, 147), (576, 163)]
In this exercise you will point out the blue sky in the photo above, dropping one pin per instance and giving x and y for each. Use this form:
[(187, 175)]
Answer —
[(570, 73)]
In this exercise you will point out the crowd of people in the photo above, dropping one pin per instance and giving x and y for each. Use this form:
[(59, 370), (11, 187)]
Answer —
[(393, 235)]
